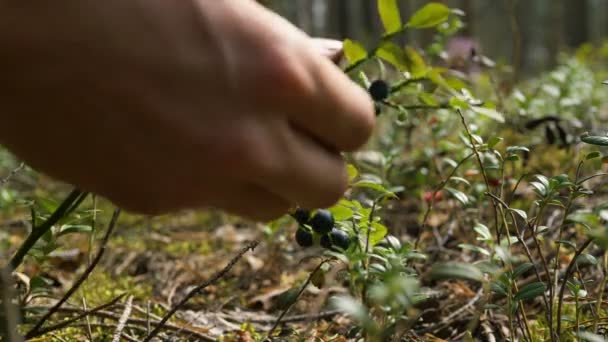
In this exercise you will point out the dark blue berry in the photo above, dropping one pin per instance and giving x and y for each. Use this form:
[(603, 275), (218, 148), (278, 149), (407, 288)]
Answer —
[(379, 90), (325, 241), (322, 222), (339, 239), (301, 215), (336, 240), (304, 237)]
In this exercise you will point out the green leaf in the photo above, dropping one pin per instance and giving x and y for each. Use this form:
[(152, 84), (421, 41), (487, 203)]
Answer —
[(341, 212), (352, 172), (453, 270), (393, 54), (74, 228), (354, 51), (377, 234), (499, 289), (460, 180), (494, 141), (530, 291), (428, 99), (589, 336), (458, 195), (567, 243), (595, 140), (593, 155), (489, 112), (520, 213), (374, 186), (483, 231), (390, 15), (430, 15), (417, 66), (474, 248), (586, 260), (519, 270)]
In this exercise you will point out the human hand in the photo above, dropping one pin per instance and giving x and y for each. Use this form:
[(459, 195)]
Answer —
[(167, 105)]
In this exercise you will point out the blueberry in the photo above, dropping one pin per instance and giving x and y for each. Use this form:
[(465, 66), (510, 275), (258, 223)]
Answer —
[(304, 237), (322, 222), (379, 90), (325, 241), (301, 215), (336, 240), (339, 239)]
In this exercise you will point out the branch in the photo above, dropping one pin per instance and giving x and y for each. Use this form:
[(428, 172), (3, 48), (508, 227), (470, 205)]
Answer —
[(80, 316), (196, 290), (278, 321)]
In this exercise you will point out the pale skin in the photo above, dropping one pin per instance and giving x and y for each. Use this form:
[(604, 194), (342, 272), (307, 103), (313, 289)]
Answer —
[(165, 105)]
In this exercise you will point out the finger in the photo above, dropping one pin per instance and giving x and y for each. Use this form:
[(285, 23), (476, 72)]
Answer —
[(313, 176), (253, 202), (290, 76), (329, 48), (340, 113)]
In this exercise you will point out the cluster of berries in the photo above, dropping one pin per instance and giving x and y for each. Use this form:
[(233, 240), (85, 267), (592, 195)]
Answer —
[(321, 224)]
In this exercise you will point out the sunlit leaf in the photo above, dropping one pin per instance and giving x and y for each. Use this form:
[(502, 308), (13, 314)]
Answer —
[(430, 15), (416, 64), (354, 51), (393, 54), (390, 15)]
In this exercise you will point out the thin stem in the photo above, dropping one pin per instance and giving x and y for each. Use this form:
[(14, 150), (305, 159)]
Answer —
[(483, 170), (81, 315), (217, 276), (306, 283), (438, 188), (562, 290), (600, 297)]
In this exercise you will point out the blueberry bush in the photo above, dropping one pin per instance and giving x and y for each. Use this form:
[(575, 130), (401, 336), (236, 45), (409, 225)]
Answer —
[(477, 212)]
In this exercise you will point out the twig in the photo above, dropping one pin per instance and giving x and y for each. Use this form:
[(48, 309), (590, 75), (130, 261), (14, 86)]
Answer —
[(89, 331), (482, 168), (80, 316), (432, 202), (132, 321), (560, 297), (123, 320), (308, 280), (196, 290), (80, 280)]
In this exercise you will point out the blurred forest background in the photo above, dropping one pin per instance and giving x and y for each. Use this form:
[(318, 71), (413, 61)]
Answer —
[(529, 34)]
